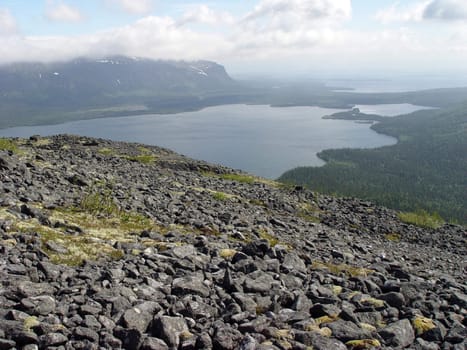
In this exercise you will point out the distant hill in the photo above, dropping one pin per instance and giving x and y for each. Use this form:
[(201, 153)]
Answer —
[(110, 85)]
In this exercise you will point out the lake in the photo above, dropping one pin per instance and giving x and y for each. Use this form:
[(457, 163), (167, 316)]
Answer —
[(390, 110), (260, 139)]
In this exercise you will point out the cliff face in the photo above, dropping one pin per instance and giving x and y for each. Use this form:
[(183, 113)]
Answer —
[(114, 245)]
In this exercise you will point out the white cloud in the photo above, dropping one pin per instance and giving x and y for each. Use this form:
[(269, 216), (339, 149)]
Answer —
[(447, 10), (205, 15), (286, 35), (8, 24), (302, 9), (134, 6), (61, 12)]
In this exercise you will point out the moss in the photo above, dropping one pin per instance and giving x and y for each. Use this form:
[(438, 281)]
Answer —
[(367, 326), (227, 253), (422, 324), (8, 145), (106, 151), (422, 218), (324, 331), (284, 344), (142, 158), (284, 334), (30, 322), (362, 344), (243, 178), (336, 269), (11, 242), (377, 303), (309, 212), (393, 237), (273, 241), (325, 319), (220, 196), (336, 290)]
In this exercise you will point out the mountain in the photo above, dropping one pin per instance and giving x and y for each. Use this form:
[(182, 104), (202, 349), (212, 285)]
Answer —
[(107, 86), (126, 246), (86, 78)]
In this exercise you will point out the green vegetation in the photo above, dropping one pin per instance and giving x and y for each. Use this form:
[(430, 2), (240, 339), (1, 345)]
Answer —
[(8, 145), (145, 156), (142, 158), (220, 196), (393, 237), (422, 218), (425, 170), (422, 324), (362, 344), (99, 201), (247, 179)]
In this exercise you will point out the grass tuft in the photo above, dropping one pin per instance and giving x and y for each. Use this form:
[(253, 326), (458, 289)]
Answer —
[(8, 145), (422, 218)]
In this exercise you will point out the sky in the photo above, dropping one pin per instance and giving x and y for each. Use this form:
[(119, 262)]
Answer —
[(276, 37)]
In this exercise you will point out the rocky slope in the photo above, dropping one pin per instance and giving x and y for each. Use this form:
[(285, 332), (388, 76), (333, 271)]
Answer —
[(107, 245)]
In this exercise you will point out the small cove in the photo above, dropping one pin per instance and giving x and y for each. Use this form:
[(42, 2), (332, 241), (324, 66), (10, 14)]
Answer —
[(259, 139)]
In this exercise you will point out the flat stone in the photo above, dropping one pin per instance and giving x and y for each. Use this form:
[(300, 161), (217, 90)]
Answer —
[(190, 285)]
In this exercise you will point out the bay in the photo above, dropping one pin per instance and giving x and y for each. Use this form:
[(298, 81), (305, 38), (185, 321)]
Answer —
[(259, 139), (390, 110)]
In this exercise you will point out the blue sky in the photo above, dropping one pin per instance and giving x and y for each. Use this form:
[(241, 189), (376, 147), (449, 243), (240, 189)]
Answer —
[(264, 36)]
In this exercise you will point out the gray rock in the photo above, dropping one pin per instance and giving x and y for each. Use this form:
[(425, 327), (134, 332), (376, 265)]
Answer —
[(169, 329), (346, 330), (6, 344), (40, 305), (293, 263), (51, 271), (394, 299), (53, 339), (204, 341), (248, 343), (153, 344), (140, 316), (421, 344), (399, 334), (86, 333), (130, 338), (193, 284), (460, 299), (258, 283), (318, 342), (456, 334)]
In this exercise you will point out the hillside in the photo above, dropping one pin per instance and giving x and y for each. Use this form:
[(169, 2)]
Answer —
[(115, 245), (37, 93), (424, 170)]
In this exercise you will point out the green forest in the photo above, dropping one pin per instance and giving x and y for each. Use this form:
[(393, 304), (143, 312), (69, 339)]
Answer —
[(425, 170)]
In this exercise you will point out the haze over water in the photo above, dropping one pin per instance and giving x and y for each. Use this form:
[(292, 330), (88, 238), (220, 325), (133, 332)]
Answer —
[(259, 139)]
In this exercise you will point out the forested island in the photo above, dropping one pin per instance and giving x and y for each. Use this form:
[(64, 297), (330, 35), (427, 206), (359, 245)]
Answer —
[(425, 171)]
